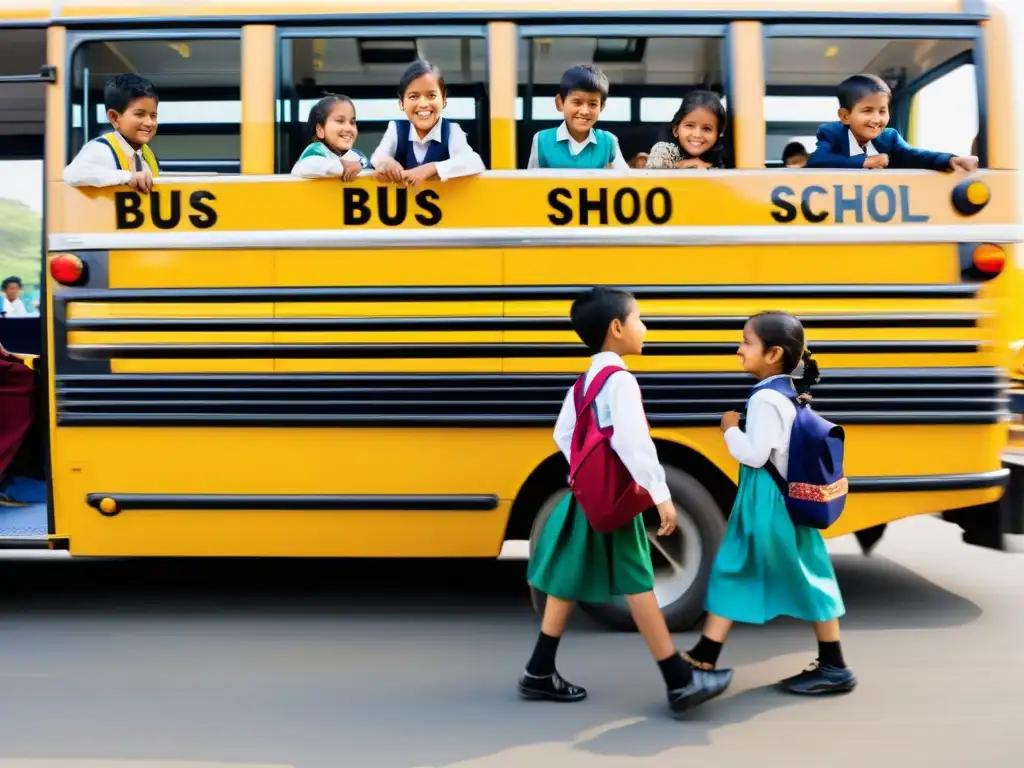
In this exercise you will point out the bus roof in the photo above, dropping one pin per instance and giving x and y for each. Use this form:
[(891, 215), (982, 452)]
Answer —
[(70, 11)]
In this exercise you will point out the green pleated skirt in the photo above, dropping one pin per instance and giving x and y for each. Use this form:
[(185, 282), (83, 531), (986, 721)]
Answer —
[(768, 567), (572, 561)]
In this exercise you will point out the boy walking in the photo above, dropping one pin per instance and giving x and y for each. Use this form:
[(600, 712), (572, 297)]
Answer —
[(576, 143), (122, 157), (862, 139), (572, 561)]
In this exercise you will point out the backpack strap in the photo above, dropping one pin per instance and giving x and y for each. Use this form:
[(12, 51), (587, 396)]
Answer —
[(110, 139), (585, 400)]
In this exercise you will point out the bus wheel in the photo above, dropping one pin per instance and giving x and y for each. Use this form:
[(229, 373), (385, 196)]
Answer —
[(682, 561)]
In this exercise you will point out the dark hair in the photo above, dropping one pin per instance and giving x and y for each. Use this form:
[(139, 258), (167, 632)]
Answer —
[(418, 69), (593, 311), (694, 100), (793, 149), (122, 90), (782, 330), (322, 109), (12, 280), (855, 88), (586, 78)]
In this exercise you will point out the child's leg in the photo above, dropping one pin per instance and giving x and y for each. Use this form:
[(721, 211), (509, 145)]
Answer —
[(704, 655), (830, 652), (687, 687), (830, 674), (541, 680)]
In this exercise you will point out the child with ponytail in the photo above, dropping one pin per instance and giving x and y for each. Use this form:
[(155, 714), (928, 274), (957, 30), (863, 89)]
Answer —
[(767, 566)]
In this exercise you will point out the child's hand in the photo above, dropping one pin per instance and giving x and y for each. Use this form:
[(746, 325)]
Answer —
[(968, 164), (729, 420), (693, 162), (390, 172), (141, 181), (878, 161), (350, 169), (416, 175), (667, 513)]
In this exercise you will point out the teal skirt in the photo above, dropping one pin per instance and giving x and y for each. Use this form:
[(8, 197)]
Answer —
[(767, 567), (572, 561)]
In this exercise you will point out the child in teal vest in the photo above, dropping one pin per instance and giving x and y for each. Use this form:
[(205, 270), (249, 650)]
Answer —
[(582, 94)]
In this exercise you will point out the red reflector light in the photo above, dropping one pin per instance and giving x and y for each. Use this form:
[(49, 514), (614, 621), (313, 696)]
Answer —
[(989, 259), (66, 268)]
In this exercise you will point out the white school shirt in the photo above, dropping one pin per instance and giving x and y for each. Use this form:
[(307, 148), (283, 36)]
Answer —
[(462, 160), (575, 147), (95, 165), (325, 163), (856, 150), (619, 405), (14, 308), (770, 417)]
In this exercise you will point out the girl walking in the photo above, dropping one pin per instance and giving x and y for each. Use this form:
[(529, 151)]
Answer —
[(767, 566)]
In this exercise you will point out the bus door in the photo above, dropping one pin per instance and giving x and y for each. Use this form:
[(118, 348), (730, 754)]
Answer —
[(24, 73)]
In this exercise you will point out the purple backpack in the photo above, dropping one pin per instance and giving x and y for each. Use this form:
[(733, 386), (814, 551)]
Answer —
[(815, 487)]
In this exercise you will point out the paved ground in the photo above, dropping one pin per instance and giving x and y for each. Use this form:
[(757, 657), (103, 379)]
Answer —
[(309, 665)]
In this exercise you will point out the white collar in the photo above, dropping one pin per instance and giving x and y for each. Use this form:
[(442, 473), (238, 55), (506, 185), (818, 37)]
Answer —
[(604, 359), (433, 135), (564, 135), (855, 149), (125, 146)]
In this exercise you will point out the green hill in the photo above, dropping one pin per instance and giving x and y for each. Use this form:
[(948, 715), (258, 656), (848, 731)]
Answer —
[(21, 233)]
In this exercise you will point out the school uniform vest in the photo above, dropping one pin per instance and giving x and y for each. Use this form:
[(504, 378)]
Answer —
[(437, 151), (552, 153), (123, 163)]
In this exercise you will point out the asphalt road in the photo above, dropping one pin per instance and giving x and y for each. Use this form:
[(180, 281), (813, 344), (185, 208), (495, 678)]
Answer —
[(203, 665)]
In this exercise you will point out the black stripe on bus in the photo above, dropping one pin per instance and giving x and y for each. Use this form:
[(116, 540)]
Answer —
[(401, 351), (435, 293), (329, 503), (437, 324), (996, 478)]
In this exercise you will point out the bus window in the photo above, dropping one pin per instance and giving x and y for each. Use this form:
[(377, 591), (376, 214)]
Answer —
[(367, 70), (803, 73), (22, 118), (648, 75), (199, 84)]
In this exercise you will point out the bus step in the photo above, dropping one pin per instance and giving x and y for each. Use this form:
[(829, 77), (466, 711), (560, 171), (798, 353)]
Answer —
[(23, 513)]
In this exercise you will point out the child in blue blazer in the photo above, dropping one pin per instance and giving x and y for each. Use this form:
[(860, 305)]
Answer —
[(862, 139)]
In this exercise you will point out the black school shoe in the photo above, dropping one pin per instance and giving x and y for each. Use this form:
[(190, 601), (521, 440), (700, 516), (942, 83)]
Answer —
[(551, 687), (706, 685), (820, 679)]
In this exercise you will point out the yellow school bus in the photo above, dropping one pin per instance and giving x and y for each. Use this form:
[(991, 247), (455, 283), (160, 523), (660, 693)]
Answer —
[(250, 364)]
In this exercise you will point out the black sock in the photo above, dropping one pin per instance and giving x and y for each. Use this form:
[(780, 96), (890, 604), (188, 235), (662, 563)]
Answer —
[(831, 654), (706, 651), (675, 670), (542, 663)]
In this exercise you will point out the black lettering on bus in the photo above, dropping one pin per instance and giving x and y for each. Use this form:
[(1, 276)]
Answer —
[(599, 206), (651, 205), (634, 205), (815, 217), (853, 204), (355, 210), (205, 216), (384, 209), (905, 214), (564, 215), (881, 204), (127, 207), (786, 210), (173, 218), (427, 202)]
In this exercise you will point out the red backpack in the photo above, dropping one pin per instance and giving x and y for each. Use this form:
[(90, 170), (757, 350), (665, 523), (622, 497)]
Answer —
[(599, 480)]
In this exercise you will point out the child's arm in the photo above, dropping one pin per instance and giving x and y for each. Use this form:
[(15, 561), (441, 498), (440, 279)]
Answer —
[(764, 432), (618, 161), (906, 156), (825, 154), (463, 160), (662, 157), (317, 162), (383, 157), (631, 438), (534, 161), (94, 166), (566, 424)]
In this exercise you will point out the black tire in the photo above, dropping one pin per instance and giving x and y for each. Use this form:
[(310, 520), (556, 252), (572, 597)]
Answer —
[(684, 605)]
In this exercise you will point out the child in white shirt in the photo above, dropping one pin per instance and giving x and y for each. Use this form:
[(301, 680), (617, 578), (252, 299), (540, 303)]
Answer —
[(571, 561), (425, 146), (333, 131), (10, 304), (122, 157)]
